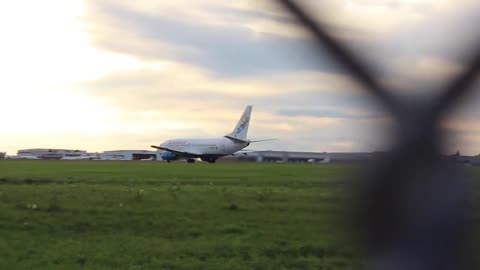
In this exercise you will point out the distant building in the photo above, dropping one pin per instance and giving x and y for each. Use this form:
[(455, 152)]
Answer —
[(130, 155), (465, 160), (311, 157), (50, 153)]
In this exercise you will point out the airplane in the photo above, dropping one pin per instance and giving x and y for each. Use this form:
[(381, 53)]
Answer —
[(209, 149)]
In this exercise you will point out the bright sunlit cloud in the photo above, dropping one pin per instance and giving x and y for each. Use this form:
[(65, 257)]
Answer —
[(45, 52)]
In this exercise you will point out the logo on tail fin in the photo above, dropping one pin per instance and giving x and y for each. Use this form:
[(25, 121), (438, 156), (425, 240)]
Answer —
[(243, 124)]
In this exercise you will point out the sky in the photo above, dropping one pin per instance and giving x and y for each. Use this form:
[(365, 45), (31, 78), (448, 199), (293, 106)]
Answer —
[(102, 74)]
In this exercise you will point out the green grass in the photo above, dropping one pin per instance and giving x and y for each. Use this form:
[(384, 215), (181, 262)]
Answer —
[(153, 215)]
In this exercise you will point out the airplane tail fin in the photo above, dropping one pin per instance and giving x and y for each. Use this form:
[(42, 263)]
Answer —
[(240, 131)]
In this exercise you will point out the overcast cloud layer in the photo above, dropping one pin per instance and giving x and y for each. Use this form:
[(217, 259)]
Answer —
[(150, 70)]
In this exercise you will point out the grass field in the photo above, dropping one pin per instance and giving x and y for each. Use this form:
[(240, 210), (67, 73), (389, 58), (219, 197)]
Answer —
[(153, 215)]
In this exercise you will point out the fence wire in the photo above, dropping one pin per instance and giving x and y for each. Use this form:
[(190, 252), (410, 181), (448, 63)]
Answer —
[(412, 208)]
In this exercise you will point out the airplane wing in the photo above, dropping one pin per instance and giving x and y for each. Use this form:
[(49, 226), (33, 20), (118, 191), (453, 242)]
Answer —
[(263, 140), (240, 154), (192, 154), (244, 152)]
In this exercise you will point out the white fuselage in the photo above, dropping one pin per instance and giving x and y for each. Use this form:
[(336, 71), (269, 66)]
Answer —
[(206, 146)]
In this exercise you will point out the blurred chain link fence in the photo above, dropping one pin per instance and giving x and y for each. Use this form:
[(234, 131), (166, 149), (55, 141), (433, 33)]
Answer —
[(412, 209)]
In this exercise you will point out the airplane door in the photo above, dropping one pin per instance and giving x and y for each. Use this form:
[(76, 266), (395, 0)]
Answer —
[(222, 147)]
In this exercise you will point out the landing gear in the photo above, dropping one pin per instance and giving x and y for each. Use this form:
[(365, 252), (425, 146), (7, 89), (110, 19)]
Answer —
[(191, 160), (209, 159)]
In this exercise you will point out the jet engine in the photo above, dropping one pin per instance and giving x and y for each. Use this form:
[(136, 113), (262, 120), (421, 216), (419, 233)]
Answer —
[(168, 156)]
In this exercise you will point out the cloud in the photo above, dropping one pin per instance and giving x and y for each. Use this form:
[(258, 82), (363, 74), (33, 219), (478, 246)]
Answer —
[(138, 72), (226, 49), (203, 64), (414, 46), (465, 139), (421, 56), (461, 128), (190, 101), (330, 112), (246, 39), (170, 83)]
